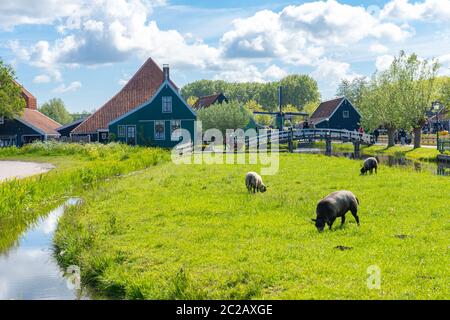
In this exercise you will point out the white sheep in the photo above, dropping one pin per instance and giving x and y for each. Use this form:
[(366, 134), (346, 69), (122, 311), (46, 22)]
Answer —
[(254, 183)]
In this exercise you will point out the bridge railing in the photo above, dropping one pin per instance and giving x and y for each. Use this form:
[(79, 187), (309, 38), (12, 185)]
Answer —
[(318, 134)]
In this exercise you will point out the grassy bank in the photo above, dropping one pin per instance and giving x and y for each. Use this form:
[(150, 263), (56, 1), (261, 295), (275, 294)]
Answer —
[(78, 170), (419, 154), (190, 232)]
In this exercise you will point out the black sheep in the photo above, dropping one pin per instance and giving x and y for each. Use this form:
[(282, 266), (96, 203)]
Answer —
[(335, 205), (369, 165)]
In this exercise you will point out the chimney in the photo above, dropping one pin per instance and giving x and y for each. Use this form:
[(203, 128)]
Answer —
[(166, 72)]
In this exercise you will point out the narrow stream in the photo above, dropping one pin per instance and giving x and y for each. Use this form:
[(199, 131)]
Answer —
[(29, 270)]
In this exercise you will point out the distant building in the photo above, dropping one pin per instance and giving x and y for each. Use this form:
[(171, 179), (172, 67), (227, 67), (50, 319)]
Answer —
[(65, 130), (139, 89), (153, 122), (207, 101), (31, 125), (336, 114)]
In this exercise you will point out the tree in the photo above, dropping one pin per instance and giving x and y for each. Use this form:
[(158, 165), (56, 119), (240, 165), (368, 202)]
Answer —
[(353, 90), (12, 102), (191, 100), (414, 81), (262, 119), (379, 106), (298, 90), (56, 110), (224, 116)]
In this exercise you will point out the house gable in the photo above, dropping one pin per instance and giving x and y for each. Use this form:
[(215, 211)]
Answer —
[(343, 116), (143, 118)]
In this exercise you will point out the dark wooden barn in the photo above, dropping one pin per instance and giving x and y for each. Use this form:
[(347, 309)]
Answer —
[(336, 114), (31, 125)]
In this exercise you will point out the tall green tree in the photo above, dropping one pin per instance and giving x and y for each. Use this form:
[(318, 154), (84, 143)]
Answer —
[(224, 116), (299, 90), (379, 105), (12, 102), (353, 90), (414, 80), (56, 110)]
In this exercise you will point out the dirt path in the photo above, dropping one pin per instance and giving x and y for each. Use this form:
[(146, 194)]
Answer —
[(20, 169)]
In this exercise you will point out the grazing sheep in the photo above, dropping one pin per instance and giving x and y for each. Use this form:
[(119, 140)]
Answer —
[(335, 205), (369, 164), (254, 182)]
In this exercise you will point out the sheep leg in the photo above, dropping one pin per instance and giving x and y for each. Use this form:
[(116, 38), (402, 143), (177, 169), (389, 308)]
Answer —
[(342, 220), (376, 170), (330, 223), (355, 214)]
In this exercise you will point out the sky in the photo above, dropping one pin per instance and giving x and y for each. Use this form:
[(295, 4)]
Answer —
[(85, 51)]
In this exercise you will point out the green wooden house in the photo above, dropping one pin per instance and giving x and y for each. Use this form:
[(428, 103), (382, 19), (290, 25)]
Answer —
[(153, 122)]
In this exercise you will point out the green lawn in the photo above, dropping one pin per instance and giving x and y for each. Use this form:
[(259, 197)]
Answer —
[(191, 232), (78, 170)]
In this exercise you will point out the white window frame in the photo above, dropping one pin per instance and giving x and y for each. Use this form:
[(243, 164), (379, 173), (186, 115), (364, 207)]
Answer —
[(346, 114), (135, 133), (154, 129), (124, 133), (2, 120), (172, 123), (167, 104)]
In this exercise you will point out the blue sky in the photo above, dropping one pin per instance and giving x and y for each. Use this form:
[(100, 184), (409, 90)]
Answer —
[(84, 51)]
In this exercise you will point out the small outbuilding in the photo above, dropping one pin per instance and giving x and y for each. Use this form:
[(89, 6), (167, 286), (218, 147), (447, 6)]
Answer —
[(65, 130), (30, 126), (207, 101), (338, 113), (153, 122)]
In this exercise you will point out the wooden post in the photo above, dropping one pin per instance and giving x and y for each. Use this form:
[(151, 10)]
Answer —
[(356, 145), (290, 140), (328, 146)]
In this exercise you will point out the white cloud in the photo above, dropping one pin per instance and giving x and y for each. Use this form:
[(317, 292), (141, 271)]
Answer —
[(332, 72), (427, 10), (74, 86), (378, 48), (274, 73), (445, 65), (42, 78), (384, 62)]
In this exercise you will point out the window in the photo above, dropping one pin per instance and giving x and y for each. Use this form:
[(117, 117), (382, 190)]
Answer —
[(121, 131), (345, 114), (166, 104), (2, 120), (174, 125), (160, 130), (104, 136)]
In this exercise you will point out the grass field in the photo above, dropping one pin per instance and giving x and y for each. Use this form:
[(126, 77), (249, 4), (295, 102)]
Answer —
[(192, 232), (78, 170)]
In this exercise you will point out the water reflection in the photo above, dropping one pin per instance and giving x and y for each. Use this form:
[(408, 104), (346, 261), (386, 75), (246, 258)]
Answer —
[(29, 270), (440, 168)]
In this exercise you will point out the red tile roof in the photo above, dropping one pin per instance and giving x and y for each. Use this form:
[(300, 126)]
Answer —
[(325, 110), (141, 87), (39, 121), (31, 102), (206, 101)]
